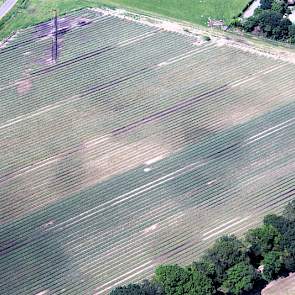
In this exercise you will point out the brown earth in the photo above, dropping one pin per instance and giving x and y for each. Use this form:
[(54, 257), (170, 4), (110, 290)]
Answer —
[(285, 286)]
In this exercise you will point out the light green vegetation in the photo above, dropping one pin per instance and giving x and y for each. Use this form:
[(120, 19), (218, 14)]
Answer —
[(189, 10), (75, 138)]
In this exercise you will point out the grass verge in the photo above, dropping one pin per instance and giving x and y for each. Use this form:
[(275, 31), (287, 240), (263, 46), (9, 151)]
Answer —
[(30, 12)]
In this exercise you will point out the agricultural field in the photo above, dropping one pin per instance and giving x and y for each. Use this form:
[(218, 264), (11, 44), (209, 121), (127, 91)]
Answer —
[(194, 11), (139, 146)]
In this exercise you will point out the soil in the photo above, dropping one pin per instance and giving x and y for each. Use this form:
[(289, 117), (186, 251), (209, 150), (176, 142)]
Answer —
[(284, 286)]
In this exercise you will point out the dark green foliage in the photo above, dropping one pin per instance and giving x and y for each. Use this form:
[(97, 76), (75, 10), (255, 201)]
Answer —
[(278, 222), (263, 240), (282, 31), (225, 253), (289, 211), (131, 289), (206, 267), (288, 237), (289, 261), (272, 265), (266, 4), (292, 34), (146, 288), (151, 288), (173, 278), (286, 227), (250, 24), (177, 280), (269, 20), (200, 284), (239, 278)]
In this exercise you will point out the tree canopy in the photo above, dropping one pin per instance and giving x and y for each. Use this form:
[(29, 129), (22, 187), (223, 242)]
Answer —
[(272, 265), (177, 280), (145, 288), (239, 278), (271, 20), (263, 239), (225, 253)]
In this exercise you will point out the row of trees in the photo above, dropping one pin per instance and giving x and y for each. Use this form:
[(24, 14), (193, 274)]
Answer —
[(231, 265), (271, 20)]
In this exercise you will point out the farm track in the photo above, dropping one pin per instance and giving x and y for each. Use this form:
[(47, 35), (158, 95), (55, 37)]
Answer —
[(137, 148)]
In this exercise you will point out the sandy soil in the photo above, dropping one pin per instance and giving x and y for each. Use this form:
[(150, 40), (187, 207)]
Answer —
[(284, 286)]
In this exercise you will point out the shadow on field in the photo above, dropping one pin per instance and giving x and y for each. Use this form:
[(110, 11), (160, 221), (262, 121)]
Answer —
[(32, 264), (218, 161)]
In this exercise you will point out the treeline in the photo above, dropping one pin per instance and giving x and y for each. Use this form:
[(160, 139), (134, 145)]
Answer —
[(231, 265), (271, 21)]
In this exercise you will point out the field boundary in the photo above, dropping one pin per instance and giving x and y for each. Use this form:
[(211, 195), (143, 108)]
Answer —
[(221, 38)]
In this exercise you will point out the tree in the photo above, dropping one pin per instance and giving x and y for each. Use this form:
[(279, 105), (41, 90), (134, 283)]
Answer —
[(266, 4), (250, 23), (173, 278), (204, 266), (289, 261), (177, 280), (282, 31), (288, 237), (278, 222), (292, 33), (239, 278), (289, 211), (151, 288), (268, 21), (145, 288), (280, 6), (200, 284), (272, 265), (131, 289), (225, 253), (263, 240)]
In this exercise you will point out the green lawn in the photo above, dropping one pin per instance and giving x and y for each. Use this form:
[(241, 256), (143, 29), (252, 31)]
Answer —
[(196, 11)]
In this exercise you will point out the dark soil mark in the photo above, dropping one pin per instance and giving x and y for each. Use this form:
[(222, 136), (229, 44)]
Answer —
[(173, 109)]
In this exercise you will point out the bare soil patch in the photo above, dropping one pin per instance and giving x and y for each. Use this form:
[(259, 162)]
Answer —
[(284, 286), (112, 156)]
